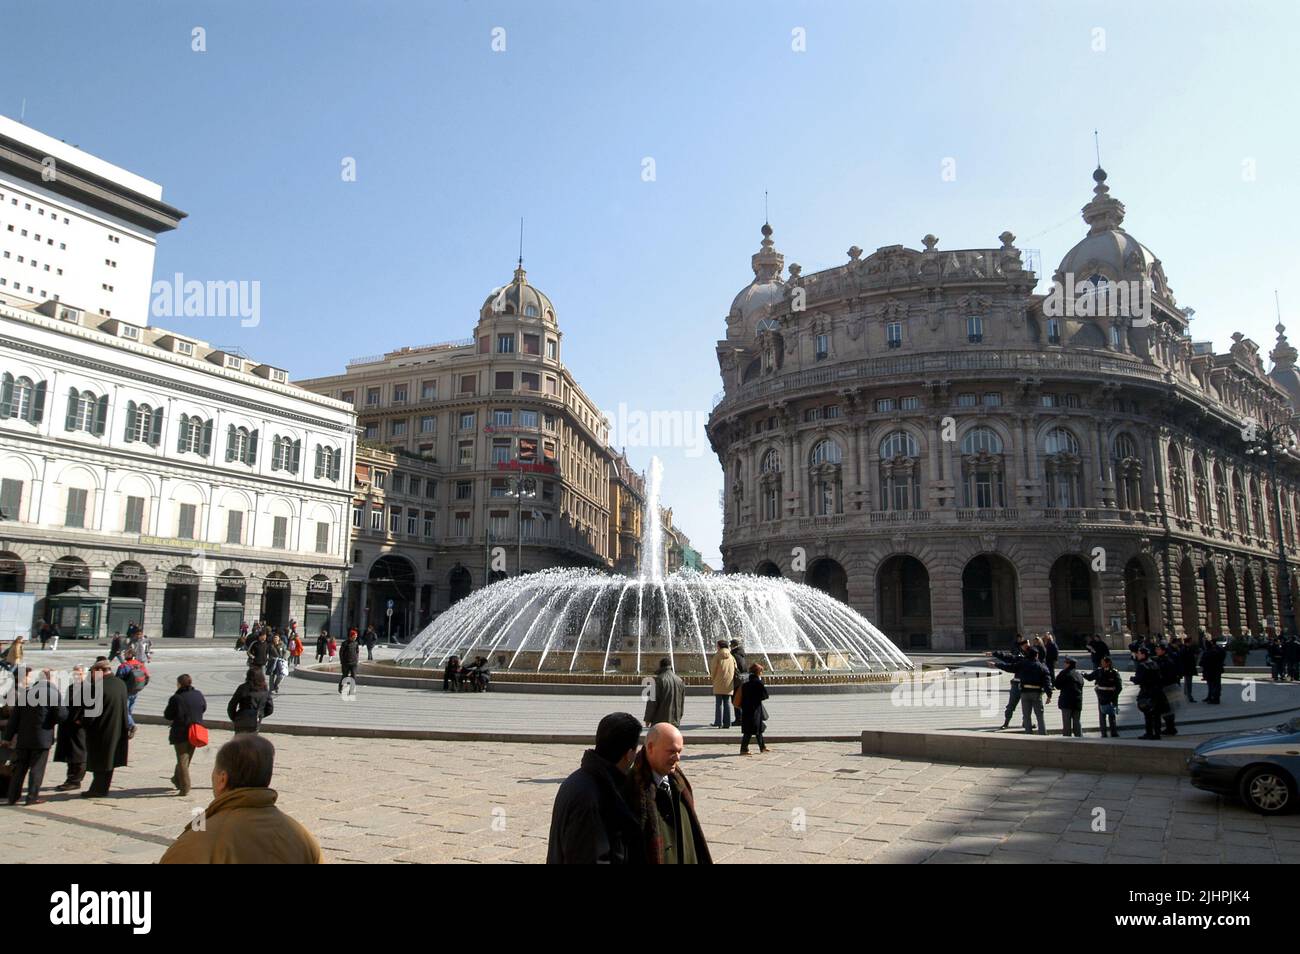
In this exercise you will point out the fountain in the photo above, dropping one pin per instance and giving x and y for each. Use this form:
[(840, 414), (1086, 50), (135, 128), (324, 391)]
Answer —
[(592, 626)]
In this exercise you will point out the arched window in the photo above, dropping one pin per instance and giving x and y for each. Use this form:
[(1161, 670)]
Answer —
[(23, 392), (900, 472), (143, 424), (982, 471), (328, 461), (826, 452), (771, 463), (1256, 510), (1177, 482), (898, 444), (1128, 473), (86, 412), (1200, 490), (1064, 469), (194, 435), (1239, 505), (241, 445)]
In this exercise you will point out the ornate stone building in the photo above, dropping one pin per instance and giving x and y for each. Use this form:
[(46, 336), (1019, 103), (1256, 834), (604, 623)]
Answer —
[(626, 509), (959, 458)]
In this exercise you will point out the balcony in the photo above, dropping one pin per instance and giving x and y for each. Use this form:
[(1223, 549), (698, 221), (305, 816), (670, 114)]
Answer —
[(900, 516), (989, 514)]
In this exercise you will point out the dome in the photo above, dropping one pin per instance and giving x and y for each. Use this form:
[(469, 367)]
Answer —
[(1107, 249), (1284, 372), (767, 286), (518, 298)]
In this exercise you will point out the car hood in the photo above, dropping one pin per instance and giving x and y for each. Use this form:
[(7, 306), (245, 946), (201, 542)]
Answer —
[(1253, 741)]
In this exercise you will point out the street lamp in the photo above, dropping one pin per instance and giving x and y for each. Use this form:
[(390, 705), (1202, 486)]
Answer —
[(522, 487), (1271, 441)]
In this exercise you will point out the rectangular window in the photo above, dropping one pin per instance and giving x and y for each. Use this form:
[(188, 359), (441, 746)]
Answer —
[(381, 479), (426, 450), (499, 523), (530, 381), (358, 517), (185, 521), (75, 515), (429, 391), (322, 537), (280, 534), (911, 403), (992, 399), (505, 344), (548, 490), (550, 348), (532, 344), (1048, 400), (348, 397), (412, 523), (884, 404), (466, 458), (428, 424), (372, 431), (415, 486), (966, 399), (394, 520), (467, 383), (377, 518), (812, 414), (503, 418), (1053, 331), (428, 524), (464, 490), (831, 412), (134, 522), (430, 489), (501, 451), (1072, 400), (528, 419), (397, 428), (504, 381), (372, 397), (467, 421), (499, 488), (551, 387), (462, 524), (234, 526), (974, 329), (894, 334), (399, 393), (823, 346), (399, 483)]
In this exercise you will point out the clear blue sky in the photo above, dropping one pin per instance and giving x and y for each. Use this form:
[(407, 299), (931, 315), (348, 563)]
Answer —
[(455, 142)]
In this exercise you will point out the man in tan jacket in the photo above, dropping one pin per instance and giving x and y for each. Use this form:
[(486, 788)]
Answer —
[(242, 826), (722, 670)]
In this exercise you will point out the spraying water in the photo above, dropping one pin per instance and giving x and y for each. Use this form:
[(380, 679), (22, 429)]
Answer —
[(652, 534)]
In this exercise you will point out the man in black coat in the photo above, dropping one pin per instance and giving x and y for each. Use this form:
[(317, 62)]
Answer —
[(1291, 656), (30, 731), (1171, 673), (349, 657), (1213, 659), (1035, 682), (1151, 692), (1013, 659), (1187, 660), (70, 746), (184, 709), (1099, 650), (259, 652), (591, 822), (106, 729)]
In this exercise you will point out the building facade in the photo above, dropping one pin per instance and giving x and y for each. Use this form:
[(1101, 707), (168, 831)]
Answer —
[(491, 414), (626, 515), (960, 459), (144, 475)]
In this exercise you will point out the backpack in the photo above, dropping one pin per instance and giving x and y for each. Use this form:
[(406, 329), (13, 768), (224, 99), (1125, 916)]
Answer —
[(135, 677)]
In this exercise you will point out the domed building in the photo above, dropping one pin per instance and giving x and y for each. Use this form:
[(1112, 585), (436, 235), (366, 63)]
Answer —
[(960, 459)]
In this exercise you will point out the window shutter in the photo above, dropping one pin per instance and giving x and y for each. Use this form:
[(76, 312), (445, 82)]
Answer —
[(230, 442), (74, 398), (320, 462), (297, 456), (7, 397), (207, 438), (275, 453), (252, 449), (101, 416), (38, 403), (156, 437), (180, 433), (130, 421), (338, 462)]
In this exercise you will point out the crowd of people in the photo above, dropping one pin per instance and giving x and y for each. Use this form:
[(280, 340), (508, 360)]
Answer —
[(1162, 670)]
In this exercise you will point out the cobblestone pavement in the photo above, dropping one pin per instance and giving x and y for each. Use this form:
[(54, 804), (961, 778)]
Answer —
[(217, 670), (417, 801)]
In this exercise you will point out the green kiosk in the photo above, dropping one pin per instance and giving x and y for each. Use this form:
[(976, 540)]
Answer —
[(76, 612)]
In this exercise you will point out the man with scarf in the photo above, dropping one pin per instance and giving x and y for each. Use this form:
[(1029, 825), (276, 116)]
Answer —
[(591, 822), (661, 799)]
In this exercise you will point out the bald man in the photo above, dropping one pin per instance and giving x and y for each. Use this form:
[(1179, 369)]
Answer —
[(661, 799)]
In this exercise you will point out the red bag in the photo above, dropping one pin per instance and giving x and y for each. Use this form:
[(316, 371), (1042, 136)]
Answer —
[(198, 735)]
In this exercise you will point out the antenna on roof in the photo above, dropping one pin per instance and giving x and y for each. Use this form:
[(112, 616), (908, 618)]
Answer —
[(765, 218), (521, 241), (1096, 142)]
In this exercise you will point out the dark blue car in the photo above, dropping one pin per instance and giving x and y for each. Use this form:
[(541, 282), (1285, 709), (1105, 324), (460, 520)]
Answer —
[(1259, 766)]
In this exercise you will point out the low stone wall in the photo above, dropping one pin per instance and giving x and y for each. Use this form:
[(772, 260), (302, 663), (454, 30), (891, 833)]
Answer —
[(1130, 756)]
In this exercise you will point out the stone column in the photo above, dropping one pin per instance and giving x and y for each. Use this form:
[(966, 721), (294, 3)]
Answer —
[(155, 593), (36, 580), (99, 586), (1240, 602), (206, 599)]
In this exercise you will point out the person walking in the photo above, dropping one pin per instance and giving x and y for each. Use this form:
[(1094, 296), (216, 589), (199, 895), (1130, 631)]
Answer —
[(722, 671), (753, 714), (295, 651), (251, 702), (115, 648), (1291, 656), (241, 825), (1213, 659), (1013, 660), (371, 638), (70, 745), (259, 651), (349, 658), (135, 675), (1109, 685), (29, 732), (184, 709), (1187, 664), (1034, 684), (1069, 686), (1151, 692), (277, 664), (321, 642), (44, 633), (591, 820), (107, 732), (666, 699), (663, 803), (1171, 674), (1276, 659), (1051, 653)]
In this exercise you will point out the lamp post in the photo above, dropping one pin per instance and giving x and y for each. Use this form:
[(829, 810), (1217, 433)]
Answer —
[(1270, 442)]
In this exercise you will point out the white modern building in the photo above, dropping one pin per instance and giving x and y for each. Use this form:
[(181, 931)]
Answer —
[(75, 228), (145, 475)]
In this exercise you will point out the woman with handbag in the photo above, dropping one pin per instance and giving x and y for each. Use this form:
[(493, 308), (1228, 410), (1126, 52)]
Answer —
[(185, 712), (251, 702), (752, 712)]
